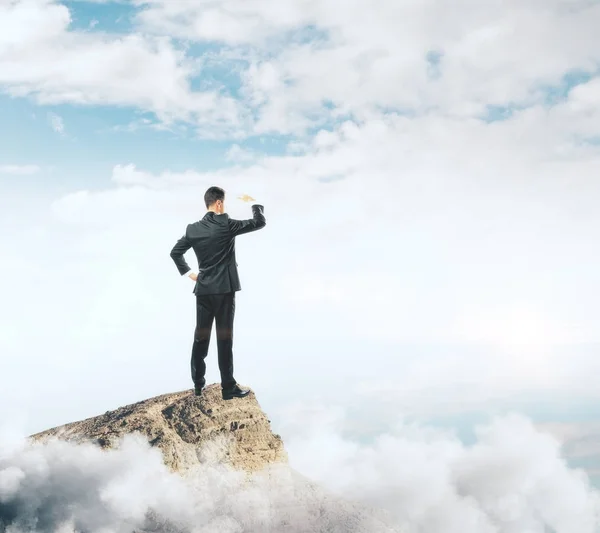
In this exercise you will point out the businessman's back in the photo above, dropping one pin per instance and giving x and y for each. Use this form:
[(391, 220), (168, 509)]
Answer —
[(213, 241)]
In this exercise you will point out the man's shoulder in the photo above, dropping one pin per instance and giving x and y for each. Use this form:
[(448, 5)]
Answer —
[(194, 227), (205, 222)]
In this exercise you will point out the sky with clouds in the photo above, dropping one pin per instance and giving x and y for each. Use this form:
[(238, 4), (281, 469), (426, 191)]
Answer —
[(429, 172)]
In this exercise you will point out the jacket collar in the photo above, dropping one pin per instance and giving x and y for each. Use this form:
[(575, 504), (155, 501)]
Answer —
[(211, 214)]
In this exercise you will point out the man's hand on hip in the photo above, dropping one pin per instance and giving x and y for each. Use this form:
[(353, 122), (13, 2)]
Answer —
[(192, 275)]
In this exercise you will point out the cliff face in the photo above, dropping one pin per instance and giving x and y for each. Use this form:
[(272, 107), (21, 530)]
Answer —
[(180, 423)]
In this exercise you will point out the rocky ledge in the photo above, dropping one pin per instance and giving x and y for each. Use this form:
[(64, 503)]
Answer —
[(180, 423)]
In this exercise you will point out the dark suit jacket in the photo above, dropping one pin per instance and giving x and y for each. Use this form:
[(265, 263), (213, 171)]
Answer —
[(213, 241)]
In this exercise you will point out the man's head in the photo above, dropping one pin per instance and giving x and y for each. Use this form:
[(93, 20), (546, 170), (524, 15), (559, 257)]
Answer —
[(214, 198)]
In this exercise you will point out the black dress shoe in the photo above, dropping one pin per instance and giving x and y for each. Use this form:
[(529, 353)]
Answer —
[(198, 390), (236, 392)]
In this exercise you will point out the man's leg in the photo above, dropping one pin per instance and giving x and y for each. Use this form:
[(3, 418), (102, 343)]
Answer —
[(204, 321), (224, 313)]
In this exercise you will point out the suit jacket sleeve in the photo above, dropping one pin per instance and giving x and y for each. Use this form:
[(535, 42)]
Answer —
[(181, 246), (258, 221)]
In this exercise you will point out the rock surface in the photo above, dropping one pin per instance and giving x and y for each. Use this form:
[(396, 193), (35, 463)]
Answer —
[(179, 424)]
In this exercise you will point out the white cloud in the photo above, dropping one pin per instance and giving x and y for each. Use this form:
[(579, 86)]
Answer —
[(20, 170), (511, 479), (41, 57), (57, 123), (130, 488), (239, 155), (416, 478), (369, 57), (303, 63), (389, 229)]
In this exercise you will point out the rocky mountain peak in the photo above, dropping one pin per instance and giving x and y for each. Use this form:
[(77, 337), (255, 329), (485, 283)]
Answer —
[(180, 423)]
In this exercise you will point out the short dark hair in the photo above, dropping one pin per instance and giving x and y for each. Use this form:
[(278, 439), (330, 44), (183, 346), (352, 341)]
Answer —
[(212, 195)]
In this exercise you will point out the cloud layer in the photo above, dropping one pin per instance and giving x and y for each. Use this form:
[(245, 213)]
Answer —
[(419, 57), (19, 170), (416, 479), (304, 64), (42, 57)]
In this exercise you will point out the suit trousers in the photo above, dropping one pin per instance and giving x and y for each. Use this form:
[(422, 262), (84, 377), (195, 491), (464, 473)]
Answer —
[(219, 308)]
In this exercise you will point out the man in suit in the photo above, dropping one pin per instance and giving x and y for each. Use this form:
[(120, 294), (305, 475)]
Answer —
[(213, 241)]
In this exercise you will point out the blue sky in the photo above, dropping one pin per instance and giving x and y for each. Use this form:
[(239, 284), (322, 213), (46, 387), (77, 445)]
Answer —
[(98, 138), (114, 17)]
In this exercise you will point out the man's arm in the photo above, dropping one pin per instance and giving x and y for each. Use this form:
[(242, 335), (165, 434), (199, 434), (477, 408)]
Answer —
[(258, 221), (181, 246)]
